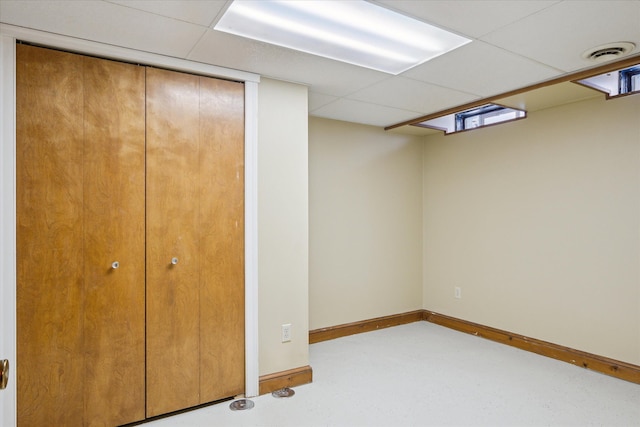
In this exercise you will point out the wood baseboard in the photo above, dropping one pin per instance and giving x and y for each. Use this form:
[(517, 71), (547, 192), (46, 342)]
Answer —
[(333, 332), (604, 365), (289, 378), (615, 368)]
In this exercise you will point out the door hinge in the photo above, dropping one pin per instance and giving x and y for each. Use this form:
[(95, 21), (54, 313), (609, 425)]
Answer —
[(4, 373)]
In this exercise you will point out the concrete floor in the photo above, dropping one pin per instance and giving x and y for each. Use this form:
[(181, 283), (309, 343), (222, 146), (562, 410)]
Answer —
[(422, 374)]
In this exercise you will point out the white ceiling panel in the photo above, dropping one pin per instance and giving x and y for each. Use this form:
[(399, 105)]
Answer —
[(550, 96), (317, 100), (517, 43), (362, 112), (400, 92), (324, 75), (482, 69), (558, 35), (201, 12), (469, 17), (105, 22)]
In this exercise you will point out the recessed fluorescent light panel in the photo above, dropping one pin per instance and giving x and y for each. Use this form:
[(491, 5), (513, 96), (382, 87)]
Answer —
[(357, 32)]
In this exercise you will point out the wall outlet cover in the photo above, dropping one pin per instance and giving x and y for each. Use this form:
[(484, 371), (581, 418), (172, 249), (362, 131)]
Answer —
[(286, 332)]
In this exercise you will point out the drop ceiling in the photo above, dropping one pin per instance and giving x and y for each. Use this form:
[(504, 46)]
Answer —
[(515, 44)]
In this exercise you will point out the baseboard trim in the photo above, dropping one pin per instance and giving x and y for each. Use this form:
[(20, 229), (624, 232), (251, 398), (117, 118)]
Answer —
[(615, 368), (290, 378), (333, 332), (604, 365)]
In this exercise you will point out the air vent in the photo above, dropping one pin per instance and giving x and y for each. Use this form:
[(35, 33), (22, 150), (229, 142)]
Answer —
[(615, 51), (608, 52)]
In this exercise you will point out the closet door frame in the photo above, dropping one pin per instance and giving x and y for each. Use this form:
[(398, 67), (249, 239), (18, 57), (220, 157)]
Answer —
[(8, 36)]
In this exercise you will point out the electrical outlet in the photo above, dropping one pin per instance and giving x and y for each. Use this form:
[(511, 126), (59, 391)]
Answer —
[(457, 292), (286, 332)]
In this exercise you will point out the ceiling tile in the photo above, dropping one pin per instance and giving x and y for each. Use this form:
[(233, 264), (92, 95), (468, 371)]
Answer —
[(550, 96), (365, 113), (323, 75), (517, 44), (558, 35), (407, 94), (317, 100), (105, 22), (482, 69), (470, 18), (201, 12)]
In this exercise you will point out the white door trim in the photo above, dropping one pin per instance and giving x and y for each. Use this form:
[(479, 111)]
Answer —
[(8, 225), (252, 377), (8, 36)]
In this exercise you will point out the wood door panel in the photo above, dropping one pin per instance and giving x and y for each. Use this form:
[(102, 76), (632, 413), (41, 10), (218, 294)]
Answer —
[(91, 193), (114, 184), (221, 239), (49, 237), (172, 217)]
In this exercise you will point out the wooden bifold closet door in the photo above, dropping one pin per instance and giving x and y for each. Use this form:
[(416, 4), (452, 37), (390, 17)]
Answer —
[(80, 202), (121, 169), (195, 240)]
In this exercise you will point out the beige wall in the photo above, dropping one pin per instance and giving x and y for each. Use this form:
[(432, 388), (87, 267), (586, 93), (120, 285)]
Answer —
[(283, 226), (365, 192), (538, 221)]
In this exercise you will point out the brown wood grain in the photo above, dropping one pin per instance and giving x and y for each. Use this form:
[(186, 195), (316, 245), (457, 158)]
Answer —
[(289, 378), (50, 295), (114, 183), (368, 325), (173, 315), (221, 228), (91, 193), (605, 365)]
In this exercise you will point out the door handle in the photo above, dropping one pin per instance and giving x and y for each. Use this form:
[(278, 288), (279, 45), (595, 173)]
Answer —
[(4, 373)]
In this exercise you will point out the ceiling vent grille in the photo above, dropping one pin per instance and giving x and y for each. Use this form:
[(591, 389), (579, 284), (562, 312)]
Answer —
[(608, 52)]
